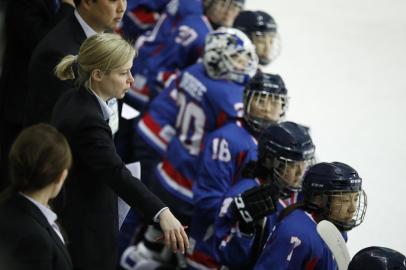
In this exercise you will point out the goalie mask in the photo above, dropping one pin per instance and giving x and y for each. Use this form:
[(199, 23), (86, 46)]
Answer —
[(265, 101), (230, 55), (261, 28), (286, 150), (334, 190), (222, 12)]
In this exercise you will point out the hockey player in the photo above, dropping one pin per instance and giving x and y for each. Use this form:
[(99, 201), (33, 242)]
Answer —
[(262, 29), (284, 152), (229, 148), (205, 96), (208, 95), (332, 191), (222, 12), (175, 43), (378, 258), (224, 49)]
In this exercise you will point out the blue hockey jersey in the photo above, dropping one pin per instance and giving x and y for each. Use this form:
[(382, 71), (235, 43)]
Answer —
[(295, 244), (157, 125), (223, 244), (226, 151), (141, 16), (203, 105), (176, 41)]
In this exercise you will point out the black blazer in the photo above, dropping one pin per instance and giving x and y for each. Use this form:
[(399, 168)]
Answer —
[(27, 240), (27, 22), (44, 87), (90, 214)]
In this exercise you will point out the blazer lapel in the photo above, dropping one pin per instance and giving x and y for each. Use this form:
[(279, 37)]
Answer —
[(59, 243), (95, 104), (79, 33)]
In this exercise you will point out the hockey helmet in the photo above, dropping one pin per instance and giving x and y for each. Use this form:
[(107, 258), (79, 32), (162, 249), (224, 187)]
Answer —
[(261, 28), (378, 258), (286, 149), (265, 101), (335, 191), (230, 55)]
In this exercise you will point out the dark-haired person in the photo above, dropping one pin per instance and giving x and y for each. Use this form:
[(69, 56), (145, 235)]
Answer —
[(29, 235), (90, 17), (331, 191), (26, 23), (250, 205), (262, 29), (228, 149)]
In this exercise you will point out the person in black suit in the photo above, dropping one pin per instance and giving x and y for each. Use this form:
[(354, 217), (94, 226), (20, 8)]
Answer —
[(98, 174), (29, 236), (27, 22), (89, 18)]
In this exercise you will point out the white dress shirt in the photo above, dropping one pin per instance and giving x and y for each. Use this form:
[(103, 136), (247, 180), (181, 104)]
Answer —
[(110, 110)]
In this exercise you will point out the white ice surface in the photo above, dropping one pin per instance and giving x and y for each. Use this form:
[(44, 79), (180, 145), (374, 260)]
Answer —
[(344, 63)]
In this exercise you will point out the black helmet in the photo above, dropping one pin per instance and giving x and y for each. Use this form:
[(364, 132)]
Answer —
[(325, 181), (261, 88), (255, 21), (378, 258), (261, 28), (282, 146)]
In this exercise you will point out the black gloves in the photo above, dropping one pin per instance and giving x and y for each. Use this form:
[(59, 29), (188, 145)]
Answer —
[(254, 204)]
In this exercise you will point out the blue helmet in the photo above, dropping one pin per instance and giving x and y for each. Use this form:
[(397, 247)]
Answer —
[(378, 258), (325, 182), (262, 29), (265, 101), (283, 149)]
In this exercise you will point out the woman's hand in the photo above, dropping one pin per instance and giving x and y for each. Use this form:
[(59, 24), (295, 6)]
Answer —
[(174, 234)]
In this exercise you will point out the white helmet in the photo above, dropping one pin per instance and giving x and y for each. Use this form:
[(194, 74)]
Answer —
[(229, 54)]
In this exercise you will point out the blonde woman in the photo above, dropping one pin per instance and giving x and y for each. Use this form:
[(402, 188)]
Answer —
[(98, 174)]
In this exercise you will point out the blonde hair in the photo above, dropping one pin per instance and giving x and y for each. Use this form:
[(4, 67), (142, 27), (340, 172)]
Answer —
[(102, 51)]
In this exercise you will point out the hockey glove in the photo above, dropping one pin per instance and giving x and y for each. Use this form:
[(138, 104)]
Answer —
[(255, 204)]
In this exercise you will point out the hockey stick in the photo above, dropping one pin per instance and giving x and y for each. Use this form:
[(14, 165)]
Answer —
[(335, 242)]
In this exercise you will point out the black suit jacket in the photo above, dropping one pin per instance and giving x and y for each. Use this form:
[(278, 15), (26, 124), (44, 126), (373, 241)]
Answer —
[(90, 214), (27, 22), (44, 87), (27, 240)]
